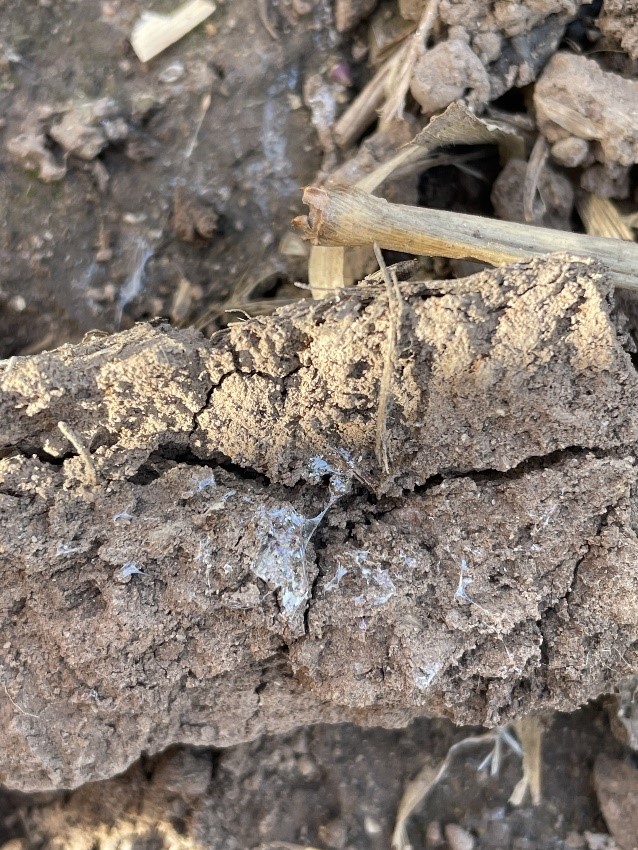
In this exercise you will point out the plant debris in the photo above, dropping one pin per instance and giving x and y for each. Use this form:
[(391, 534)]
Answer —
[(153, 33), (192, 217)]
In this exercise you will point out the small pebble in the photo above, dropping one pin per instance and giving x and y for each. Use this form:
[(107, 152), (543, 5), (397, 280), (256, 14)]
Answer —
[(371, 825), (104, 255), (133, 218), (433, 834), (571, 151), (18, 303), (333, 834), (458, 838), (172, 73), (306, 766)]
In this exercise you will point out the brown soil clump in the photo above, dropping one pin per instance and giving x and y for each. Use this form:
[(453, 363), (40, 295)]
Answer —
[(181, 596)]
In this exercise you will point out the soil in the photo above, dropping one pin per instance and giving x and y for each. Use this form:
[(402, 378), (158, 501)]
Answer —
[(104, 246), (329, 786), (134, 191)]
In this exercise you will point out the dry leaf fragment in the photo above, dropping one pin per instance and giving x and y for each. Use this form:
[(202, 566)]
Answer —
[(458, 125), (346, 217)]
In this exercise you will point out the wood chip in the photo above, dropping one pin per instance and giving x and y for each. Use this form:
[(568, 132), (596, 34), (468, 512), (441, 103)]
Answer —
[(153, 33)]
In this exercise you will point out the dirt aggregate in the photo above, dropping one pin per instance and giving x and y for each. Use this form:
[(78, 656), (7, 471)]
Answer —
[(574, 97), (215, 604), (186, 393), (513, 40), (455, 63), (617, 788), (349, 13), (619, 20)]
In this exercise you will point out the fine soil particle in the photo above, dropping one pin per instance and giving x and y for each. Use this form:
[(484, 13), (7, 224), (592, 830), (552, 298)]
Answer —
[(192, 217)]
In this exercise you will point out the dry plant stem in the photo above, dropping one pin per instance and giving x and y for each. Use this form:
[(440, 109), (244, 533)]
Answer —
[(19, 707), (328, 267), (455, 126), (425, 780), (203, 109), (518, 120), (535, 166), (326, 270), (363, 110), (351, 217), (530, 732), (81, 449), (385, 387), (405, 157), (153, 33), (262, 9), (601, 217), (393, 107), (242, 300)]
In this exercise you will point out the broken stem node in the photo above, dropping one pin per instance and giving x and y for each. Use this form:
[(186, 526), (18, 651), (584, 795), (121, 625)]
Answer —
[(346, 217)]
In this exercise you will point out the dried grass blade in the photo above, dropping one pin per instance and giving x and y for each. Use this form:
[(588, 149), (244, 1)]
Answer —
[(364, 108), (418, 789), (535, 166), (393, 107), (395, 312), (601, 217), (530, 734)]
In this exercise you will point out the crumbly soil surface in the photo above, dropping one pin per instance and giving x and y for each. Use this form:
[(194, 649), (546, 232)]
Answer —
[(213, 575), (223, 546)]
